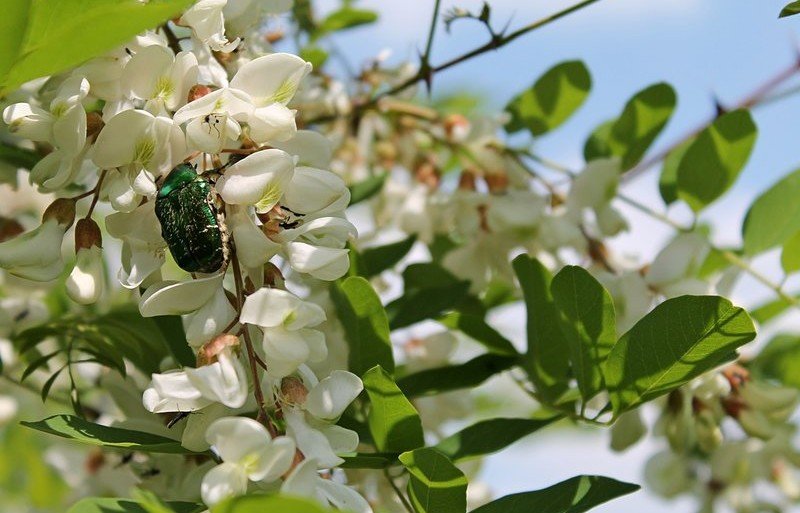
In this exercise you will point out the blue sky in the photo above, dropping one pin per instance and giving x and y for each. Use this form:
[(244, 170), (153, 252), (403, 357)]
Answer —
[(704, 49)]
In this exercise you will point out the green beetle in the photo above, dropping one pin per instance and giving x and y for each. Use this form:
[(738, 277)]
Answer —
[(191, 223)]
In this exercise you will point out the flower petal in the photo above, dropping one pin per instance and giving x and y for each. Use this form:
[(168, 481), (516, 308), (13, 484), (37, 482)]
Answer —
[(333, 394), (258, 179), (272, 78), (179, 297), (274, 460), (223, 481), (236, 438)]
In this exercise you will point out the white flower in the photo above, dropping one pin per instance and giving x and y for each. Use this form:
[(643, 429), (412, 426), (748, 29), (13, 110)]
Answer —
[(311, 148), (214, 119), (316, 193), (674, 270), (310, 418), (285, 321), (248, 453), (223, 381), (142, 244), (140, 139), (304, 481), (203, 301), (271, 81), (155, 73), (596, 185), (318, 247), (85, 282), (253, 247), (206, 19), (258, 179), (36, 255)]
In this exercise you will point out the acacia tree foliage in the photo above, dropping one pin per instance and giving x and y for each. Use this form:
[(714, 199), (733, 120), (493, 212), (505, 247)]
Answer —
[(259, 358)]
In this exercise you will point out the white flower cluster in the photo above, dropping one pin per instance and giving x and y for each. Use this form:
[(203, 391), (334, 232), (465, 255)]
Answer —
[(118, 126)]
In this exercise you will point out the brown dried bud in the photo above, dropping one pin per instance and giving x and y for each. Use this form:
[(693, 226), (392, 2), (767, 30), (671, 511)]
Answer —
[(497, 182), (94, 123), (87, 234), (62, 210), (94, 462), (210, 351), (736, 376), (273, 275), (293, 390), (456, 126), (466, 182), (427, 173), (274, 36), (9, 228), (197, 91)]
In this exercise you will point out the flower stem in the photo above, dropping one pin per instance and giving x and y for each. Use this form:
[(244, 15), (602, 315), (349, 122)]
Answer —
[(398, 492)]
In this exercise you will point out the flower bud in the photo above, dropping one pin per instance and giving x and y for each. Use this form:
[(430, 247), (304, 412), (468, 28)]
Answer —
[(36, 255), (85, 282), (456, 127), (776, 402), (668, 474), (628, 430), (293, 390), (62, 210), (466, 182), (707, 430), (497, 182), (9, 228), (209, 352), (756, 423), (196, 92), (94, 124)]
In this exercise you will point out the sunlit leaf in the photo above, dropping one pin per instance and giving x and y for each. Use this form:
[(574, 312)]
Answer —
[(715, 158), (575, 495), (435, 484), (393, 421), (680, 339), (547, 358), (774, 216), (591, 329), (365, 325), (80, 430), (42, 37), (554, 97)]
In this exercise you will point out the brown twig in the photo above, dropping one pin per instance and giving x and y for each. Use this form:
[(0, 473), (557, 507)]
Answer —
[(426, 71), (749, 101)]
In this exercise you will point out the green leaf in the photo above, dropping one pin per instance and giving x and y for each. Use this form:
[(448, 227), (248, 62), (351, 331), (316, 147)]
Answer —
[(315, 55), (366, 189), (779, 360), (679, 340), (117, 505), (393, 421), (435, 485), (376, 460), (80, 430), (790, 10), (770, 310), (642, 120), (774, 216), (18, 157), (668, 181), (346, 18), (173, 334), (597, 144), (429, 291), (790, 256), (42, 37), (378, 259), (592, 329), (575, 495), (547, 359), (454, 377), (489, 436), (715, 158), (365, 325), (268, 503), (120, 333), (554, 97), (478, 330)]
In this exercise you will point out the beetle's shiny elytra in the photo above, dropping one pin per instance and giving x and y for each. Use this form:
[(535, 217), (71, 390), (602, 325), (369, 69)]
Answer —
[(190, 222)]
